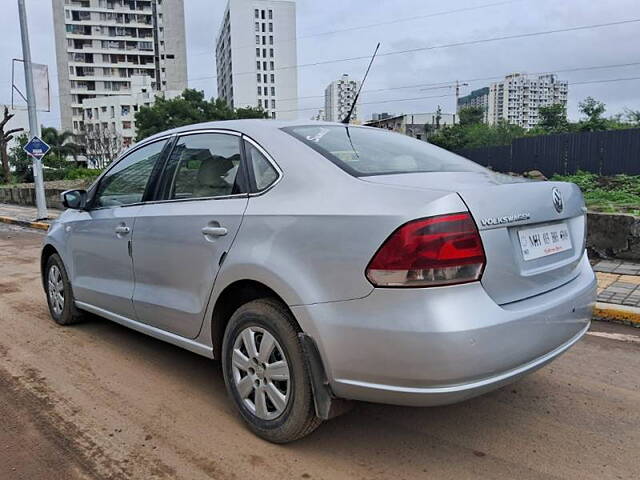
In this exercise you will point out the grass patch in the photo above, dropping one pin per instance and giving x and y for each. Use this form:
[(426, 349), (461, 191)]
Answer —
[(615, 194)]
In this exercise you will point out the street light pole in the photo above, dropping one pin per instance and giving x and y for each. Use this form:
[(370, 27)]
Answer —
[(34, 126), (458, 85)]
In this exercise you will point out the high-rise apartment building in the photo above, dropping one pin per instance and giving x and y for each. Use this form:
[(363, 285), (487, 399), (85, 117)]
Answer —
[(338, 98), (477, 98), (256, 56), (116, 113), (102, 44), (518, 97)]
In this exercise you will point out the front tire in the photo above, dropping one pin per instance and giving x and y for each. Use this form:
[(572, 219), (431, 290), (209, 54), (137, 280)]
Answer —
[(59, 293), (266, 374)]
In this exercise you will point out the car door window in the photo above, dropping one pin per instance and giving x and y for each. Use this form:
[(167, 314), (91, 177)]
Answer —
[(206, 165), (125, 183), (264, 172)]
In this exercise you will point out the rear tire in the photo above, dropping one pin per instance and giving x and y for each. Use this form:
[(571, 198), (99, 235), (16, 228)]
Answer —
[(266, 373), (59, 293)]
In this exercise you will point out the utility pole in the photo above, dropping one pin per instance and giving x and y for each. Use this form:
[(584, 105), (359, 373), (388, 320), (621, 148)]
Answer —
[(458, 85), (34, 126)]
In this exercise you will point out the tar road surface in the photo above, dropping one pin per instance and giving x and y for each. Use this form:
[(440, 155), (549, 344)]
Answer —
[(100, 401)]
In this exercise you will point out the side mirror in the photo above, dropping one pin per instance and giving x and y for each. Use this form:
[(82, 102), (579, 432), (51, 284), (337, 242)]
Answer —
[(74, 199)]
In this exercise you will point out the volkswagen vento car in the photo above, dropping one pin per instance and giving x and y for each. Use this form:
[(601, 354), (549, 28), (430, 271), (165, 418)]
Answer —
[(322, 262)]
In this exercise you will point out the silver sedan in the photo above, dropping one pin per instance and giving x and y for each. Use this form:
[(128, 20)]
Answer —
[(324, 263)]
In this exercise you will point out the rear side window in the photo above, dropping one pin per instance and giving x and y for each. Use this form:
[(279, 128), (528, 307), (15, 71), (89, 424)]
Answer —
[(373, 151), (205, 165), (264, 173)]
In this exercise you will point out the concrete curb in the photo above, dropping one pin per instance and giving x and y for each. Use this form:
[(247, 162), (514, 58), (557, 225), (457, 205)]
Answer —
[(25, 223), (611, 312)]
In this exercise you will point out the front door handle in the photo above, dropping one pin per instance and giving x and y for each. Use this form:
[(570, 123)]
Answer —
[(122, 230), (214, 231)]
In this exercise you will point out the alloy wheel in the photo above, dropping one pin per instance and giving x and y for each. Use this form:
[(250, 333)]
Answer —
[(56, 289), (261, 373)]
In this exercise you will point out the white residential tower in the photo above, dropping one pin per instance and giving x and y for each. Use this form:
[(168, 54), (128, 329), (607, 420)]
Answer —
[(338, 98), (517, 98), (116, 113), (256, 56), (102, 44)]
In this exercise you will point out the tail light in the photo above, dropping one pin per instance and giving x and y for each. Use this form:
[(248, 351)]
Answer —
[(441, 250)]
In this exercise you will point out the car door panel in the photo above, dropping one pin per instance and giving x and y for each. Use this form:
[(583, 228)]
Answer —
[(102, 264), (176, 263), (103, 270), (180, 240)]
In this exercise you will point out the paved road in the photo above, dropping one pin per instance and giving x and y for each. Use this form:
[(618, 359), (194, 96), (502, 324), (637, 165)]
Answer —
[(99, 401)]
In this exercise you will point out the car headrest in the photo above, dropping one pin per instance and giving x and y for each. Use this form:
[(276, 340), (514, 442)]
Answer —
[(213, 169)]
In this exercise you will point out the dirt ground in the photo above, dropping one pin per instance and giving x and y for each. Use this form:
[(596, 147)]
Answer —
[(99, 401)]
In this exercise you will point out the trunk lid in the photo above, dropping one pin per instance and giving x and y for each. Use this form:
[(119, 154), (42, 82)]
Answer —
[(509, 211)]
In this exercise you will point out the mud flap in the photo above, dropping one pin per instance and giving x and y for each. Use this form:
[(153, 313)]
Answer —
[(326, 404)]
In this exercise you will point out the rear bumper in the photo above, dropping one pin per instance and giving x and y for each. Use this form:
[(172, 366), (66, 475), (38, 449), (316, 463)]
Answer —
[(442, 345)]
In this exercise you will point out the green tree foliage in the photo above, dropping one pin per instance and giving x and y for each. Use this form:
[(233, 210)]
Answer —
[(56, 166), (471, 115), (471, 132), (20, 161), (456, 137), (190, 107), (593, 110), (451, 137), (553, 119), (632, 116), (618, 193), (61, 143), (250, 112)]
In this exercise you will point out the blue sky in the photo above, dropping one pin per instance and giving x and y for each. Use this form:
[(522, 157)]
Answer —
[(413, 28)]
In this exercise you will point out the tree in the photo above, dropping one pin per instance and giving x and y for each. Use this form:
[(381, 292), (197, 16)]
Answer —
[(60, 142), (632, 116), (553, 119), (471, 115), (190, 107), (593, 110), (5, 138), (250, 112), (502, 133), (450, 137), (456, 137), (438, 117), (102, 146), (20, 161)]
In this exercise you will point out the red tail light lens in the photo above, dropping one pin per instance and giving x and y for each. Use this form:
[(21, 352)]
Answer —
[(441, 250)]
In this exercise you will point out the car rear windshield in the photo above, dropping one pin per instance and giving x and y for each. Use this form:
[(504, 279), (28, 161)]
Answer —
[(363, 151)]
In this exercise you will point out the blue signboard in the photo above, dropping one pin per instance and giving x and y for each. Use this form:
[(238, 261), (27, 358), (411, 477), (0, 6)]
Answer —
[(36, 148)]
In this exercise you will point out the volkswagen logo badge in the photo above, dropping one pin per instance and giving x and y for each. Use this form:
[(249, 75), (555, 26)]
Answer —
[(556, 196)]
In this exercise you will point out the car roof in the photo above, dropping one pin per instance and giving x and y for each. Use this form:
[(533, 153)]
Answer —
[(251, 126)]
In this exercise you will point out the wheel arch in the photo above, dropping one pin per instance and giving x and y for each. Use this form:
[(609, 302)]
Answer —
[(47, 251), (233, 297)]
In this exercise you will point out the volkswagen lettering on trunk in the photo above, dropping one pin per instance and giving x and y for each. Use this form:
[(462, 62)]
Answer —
[(485, 222)]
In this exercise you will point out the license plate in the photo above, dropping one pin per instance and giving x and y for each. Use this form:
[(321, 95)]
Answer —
[(543, 241)]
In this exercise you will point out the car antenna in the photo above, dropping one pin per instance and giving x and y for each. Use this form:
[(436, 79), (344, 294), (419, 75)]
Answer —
[(347, 119)]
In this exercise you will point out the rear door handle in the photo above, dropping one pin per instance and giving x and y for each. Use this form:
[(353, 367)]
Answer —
[(214, 231), (122, 230)]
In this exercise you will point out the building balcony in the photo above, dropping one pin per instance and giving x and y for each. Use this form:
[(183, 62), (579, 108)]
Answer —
[(98, 78), (113, 51), (116, 65), (111, 23), (104, 37), (99, 93)]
